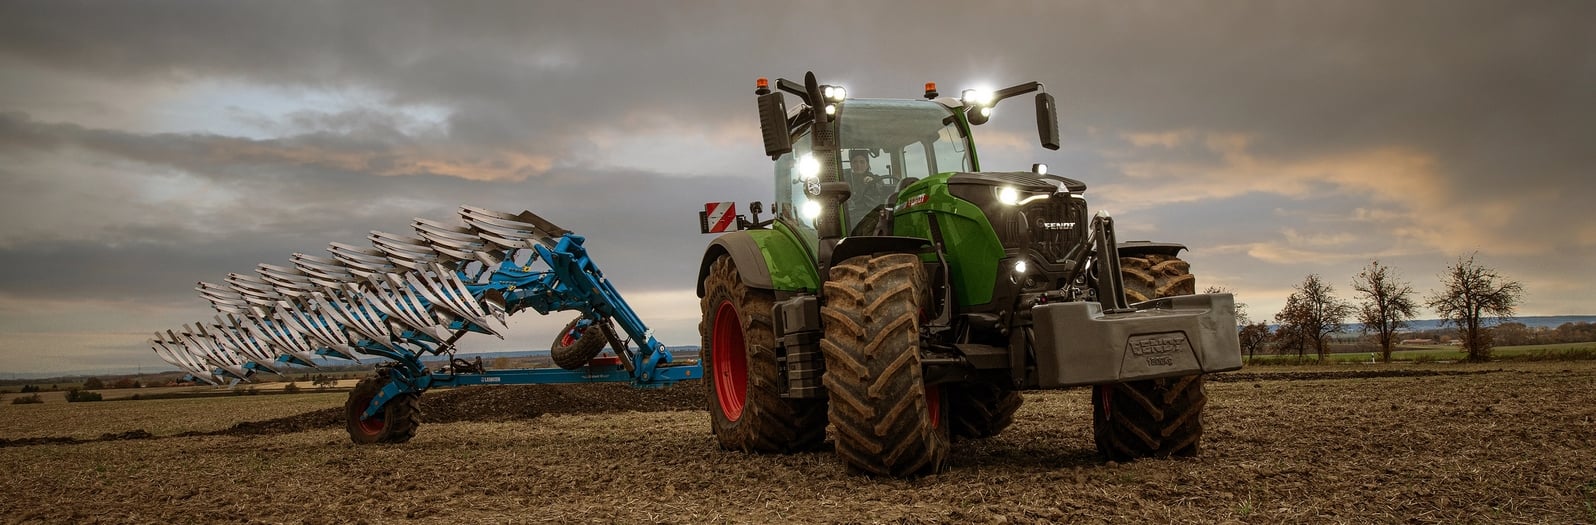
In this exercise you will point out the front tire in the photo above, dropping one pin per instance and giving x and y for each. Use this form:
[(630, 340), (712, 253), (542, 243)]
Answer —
[(395, 423), (888, 421), (746, 409), (1153, 417), (982, 410), (1153, 276)]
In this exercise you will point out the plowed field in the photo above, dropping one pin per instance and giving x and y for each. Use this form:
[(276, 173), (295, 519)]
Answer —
[(1512, 443)]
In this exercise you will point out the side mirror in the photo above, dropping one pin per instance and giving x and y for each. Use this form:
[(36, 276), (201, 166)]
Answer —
[(773, 124), (1046, 121)]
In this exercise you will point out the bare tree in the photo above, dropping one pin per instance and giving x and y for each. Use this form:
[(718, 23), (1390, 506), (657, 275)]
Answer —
[(1253, 337), (1289, 336), (1311, 314), (1387, 304), (1472, 296), (1241, 307)]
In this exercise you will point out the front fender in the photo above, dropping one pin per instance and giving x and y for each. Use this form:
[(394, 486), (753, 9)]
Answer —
[(1145, 248), (773, 259)]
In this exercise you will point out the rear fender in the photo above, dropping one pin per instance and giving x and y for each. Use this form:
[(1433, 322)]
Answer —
[(766, 259)]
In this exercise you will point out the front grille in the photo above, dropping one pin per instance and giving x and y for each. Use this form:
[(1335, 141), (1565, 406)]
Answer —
[(1056, 224)]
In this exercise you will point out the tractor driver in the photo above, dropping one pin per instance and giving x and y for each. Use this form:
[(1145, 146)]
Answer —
[(868, 187), (870, 190)]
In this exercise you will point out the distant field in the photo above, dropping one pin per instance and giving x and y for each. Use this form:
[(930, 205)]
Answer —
[(160, 417), (1553, 352)]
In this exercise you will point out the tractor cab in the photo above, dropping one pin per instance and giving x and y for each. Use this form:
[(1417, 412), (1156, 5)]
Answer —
[(882, 145)]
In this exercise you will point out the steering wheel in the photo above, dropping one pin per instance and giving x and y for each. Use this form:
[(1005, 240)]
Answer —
[(873, 189)]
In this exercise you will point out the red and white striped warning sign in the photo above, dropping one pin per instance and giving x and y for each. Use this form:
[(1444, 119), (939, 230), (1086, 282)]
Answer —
[(720, 216)]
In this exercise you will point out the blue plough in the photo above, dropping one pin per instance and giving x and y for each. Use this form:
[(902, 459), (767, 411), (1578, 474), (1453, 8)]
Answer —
[(411, 296)]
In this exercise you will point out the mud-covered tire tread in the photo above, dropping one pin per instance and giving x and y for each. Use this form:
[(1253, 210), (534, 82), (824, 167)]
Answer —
[(401, 415), (768, 422), (1151, 418), (1155, 417), (884, 425), (1154, 275), (580, 352), (981, 410)]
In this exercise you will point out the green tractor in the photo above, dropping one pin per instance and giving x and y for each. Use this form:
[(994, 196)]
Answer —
[(905, 297)]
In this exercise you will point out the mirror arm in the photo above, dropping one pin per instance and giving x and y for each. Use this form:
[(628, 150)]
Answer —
[(1013, 91), (794, 88)]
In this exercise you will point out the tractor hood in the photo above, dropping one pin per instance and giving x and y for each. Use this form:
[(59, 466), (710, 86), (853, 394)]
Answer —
[(1023, 181)]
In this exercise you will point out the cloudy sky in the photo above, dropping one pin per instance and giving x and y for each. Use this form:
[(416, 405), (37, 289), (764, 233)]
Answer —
[(148, 145)]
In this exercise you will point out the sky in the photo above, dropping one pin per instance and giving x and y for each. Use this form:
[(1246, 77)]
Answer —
[(145, 146)]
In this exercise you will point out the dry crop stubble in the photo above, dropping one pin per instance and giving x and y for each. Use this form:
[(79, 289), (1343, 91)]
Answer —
[(1514, 445)]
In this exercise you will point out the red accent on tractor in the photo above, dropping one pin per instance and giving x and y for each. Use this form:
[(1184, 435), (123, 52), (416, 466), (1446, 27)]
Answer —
[(721, 215)]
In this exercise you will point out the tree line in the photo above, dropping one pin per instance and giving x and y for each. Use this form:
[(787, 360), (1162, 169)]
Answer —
[(1473, 298)]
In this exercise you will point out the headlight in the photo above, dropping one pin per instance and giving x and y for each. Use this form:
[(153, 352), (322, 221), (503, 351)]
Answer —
[(1010, 196), (808, 166), (976, 97), (836, 93), (811, 210), (1019, 277)]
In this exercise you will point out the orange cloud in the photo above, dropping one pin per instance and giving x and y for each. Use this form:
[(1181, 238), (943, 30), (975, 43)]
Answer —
[(1410, 195)]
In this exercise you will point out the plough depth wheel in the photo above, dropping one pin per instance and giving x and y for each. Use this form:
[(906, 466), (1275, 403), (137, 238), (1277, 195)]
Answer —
[(395, 423), (573, 349)]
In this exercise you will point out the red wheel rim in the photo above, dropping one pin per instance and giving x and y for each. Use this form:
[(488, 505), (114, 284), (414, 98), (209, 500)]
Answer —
[(729, 355), (373, 425), (567, 340)]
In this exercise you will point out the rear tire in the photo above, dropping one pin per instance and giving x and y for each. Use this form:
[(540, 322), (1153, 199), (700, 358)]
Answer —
[(888, 421), (746, 409), (982, 410), (571, 352), (1154, 417), (395, 423)]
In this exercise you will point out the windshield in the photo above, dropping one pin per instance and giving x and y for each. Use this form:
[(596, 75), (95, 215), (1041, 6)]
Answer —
[(883, 142), (905, 138)]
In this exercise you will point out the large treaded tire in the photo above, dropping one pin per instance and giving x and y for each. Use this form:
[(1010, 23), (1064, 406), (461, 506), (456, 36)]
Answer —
[(1153, 276), (397, 422), (982, 410), (1154, 417), (888, 422), (572, 353), (746, 409), (1151, 418)]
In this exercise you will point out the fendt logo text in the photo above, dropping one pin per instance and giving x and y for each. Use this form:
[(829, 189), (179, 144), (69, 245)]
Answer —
[(1157, 344)]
